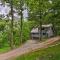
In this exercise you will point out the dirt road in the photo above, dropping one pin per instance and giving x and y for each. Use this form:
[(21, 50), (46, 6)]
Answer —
[(28, 47)]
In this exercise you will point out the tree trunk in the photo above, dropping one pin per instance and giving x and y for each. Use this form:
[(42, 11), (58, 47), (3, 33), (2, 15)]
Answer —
[(40, 30), (21, 25), (11, 26), (40, 23), (21, 20)]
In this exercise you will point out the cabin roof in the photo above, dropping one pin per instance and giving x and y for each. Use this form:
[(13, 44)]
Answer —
[(35, 30), (48, 25)]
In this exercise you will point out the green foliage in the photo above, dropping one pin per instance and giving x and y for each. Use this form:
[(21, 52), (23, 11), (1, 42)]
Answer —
[(40, 12), (26, 31), (2, 25), (5, 33), (26, 28), (3, 39)]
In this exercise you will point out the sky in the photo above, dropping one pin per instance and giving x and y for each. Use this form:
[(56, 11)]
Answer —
[(4, 10), (50, 1)]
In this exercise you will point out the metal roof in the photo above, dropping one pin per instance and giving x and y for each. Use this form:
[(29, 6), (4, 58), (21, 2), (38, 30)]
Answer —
[(35, 30), (48, 25)]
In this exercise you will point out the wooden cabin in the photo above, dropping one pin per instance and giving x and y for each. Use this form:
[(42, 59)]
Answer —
[(46, 31)]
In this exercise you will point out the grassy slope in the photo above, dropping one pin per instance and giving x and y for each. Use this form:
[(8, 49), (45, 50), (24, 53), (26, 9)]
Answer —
[(4, 49), (51, 53)]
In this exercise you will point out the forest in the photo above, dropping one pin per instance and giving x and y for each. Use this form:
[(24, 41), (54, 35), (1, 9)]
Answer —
[(24, 15)]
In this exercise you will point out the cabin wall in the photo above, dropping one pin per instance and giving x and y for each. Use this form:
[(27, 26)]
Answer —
[(46, 33)]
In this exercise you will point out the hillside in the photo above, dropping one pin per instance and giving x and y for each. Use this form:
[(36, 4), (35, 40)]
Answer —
[(51, 53)]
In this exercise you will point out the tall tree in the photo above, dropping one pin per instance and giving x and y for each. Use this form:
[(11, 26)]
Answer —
[(21, 19), (37, 10), (12, 20), (10, 36)]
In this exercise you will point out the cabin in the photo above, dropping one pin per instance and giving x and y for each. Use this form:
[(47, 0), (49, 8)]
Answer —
[(46, 32)]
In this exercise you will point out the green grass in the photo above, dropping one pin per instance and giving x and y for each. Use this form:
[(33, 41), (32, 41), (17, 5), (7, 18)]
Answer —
[(51, 53), (4, 49)]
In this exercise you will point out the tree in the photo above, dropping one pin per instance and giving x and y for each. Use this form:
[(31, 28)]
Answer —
[(37, 11), (12, 40), (53, 16), (21, 19)]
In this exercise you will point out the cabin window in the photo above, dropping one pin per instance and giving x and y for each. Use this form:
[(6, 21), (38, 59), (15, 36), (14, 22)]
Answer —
[(43, 28), (44, 33), (35, 33)]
